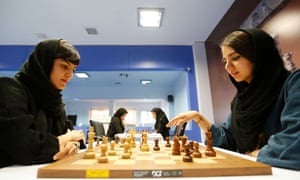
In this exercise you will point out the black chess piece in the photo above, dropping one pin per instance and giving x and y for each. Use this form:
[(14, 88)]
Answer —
[(196, 153), (168, 144), (156, 146), (176, 146), (187, 156), (209, 148)]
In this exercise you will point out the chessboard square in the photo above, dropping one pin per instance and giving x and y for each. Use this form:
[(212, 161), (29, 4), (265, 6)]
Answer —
[(144, 153), (158, 155), (218, 157), (144, 158), (203, 160), (124, 162), (113, 157), (164, 162), (177, 158), (84, 161)]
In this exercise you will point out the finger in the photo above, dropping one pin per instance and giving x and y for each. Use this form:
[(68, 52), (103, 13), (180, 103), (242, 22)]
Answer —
[(69, 149), (175, 122), (59, 155), (172, 122)]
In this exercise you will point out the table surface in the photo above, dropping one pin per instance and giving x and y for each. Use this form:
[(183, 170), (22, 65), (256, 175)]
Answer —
[(30, 172)]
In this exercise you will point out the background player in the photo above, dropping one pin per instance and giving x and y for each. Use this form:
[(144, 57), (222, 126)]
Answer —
[(116, 124), (161, 121)]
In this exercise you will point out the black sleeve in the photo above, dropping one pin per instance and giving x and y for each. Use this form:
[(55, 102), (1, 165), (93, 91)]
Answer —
[(116, 122), (162, 124), (21, 142)]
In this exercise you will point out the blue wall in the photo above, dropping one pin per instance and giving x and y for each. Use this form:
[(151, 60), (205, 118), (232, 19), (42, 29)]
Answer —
[(129, 58)]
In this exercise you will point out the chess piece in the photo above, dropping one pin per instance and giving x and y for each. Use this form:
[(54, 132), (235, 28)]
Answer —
[(168, 144), (192, 145), (196, 153), (144, 145), (90, 153), (209, 148), (103, 158), (187, 156), (104, 140), (112, 151), (127, 152), (156, 146), (183, 142), (176, 146), (122, 142), (132, 139), (117, 139)]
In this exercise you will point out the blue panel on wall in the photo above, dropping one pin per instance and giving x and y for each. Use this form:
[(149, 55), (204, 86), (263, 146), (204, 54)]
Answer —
[(12, 57), (160, 57), (95, 58)]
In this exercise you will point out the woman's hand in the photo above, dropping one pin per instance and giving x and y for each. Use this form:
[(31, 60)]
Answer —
[(253, 153), (74, 135), (190, 115), (66, 150)]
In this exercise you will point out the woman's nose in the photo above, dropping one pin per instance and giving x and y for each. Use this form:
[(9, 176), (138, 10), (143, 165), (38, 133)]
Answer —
[(228, 66)]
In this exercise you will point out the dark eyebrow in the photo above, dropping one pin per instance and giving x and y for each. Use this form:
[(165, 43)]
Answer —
[(230, 54)]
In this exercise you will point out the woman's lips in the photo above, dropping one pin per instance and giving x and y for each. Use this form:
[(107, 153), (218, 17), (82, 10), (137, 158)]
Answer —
[(234, 74), (64, 81)]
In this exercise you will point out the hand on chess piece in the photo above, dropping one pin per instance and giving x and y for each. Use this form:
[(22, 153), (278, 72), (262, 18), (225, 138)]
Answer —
[(71, 135), (67, 149), (187, 116)]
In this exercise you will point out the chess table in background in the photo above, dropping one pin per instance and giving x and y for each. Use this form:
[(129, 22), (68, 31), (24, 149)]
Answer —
[(150, 136)]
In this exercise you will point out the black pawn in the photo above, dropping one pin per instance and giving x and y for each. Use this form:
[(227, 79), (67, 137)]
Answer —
[(156, 146), (168, 141)]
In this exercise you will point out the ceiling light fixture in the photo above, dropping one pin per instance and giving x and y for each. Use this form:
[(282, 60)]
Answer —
[(82, 75), (145, 82), (150, 17), (91, 31)]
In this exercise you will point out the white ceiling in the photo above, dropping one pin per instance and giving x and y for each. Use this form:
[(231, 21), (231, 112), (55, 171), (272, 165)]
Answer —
[(184, 21)]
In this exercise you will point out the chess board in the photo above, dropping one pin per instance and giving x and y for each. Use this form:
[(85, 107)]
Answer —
[(152, 164)]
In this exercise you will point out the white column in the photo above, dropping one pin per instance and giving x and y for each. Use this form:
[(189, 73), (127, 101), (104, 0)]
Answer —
[(202, 82)]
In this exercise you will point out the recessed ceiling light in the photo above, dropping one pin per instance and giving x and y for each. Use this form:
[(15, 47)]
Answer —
[(91, 31), (82, 75), (145, 82), (150, 17)]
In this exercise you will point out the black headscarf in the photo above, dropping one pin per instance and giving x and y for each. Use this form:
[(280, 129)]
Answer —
[(253, 102), (35, 73), (161, 118)]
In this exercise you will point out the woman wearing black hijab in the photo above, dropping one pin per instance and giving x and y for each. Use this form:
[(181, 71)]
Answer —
[(116, 124), (33, 124), (161, 121), (265, 117)]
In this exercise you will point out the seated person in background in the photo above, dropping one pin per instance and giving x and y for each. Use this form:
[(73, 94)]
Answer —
[(265, 116), (116, 124), (33, 124), (161, 121)]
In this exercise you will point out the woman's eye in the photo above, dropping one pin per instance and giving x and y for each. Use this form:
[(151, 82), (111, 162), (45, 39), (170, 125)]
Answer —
[(235, 58), (64, 66)]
